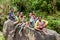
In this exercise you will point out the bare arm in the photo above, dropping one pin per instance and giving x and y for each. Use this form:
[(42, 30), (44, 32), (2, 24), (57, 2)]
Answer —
[(16, 22)]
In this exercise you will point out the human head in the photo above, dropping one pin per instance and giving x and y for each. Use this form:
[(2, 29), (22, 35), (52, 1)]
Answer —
[(17, 13), (39, 18), (21, 14), (24, 16), (31, 13), (12, 9)]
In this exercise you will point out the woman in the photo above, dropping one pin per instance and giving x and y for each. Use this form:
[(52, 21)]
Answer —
[(24, 19), (17, 16), (18, 27), (20, 16), (32, 18)]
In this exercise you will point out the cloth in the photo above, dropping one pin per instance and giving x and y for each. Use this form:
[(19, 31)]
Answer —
[(37, 26), (31, 19), (24, 20), (21, 19), (12, 16), (36, 20)]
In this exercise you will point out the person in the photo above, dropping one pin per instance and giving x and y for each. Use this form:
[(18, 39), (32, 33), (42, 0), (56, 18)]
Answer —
[(32, 19), (24, 19), (40, 24), (23, 24), (11, 14), (9, 25), (20, 26), (21, 16), (17, 16), (21, 19), (32, 16), (27, 24), (9, 29)]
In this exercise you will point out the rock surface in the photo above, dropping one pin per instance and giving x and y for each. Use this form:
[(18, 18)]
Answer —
[(29, 34)]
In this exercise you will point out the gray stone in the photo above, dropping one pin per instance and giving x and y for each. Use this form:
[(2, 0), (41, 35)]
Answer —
[(39, 35), (8, 29)]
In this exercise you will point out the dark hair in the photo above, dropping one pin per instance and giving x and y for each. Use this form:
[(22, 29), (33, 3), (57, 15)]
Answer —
[(39, 16), (32, 13), (11, 8)]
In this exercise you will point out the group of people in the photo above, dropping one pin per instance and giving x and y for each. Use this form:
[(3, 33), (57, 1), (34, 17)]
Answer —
[(18, 22)]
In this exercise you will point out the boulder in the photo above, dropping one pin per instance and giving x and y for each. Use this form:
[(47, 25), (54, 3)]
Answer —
[(31, 34)]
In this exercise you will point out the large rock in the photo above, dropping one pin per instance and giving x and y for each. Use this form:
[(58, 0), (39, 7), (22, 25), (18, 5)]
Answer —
[(30, 34)]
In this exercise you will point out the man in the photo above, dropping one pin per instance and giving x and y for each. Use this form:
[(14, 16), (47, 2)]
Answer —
[(9, 25), (40, 24), (11, 14)]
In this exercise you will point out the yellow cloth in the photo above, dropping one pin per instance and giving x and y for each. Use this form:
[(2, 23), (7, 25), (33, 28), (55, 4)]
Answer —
[(36, 24), (24, 20), (21, 19)]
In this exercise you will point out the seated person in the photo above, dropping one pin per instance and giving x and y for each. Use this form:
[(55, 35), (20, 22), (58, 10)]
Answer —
[(40, 24), (21, 17), (27, 24), (24, 19), (32, 16), (17, 16), (32, 19)]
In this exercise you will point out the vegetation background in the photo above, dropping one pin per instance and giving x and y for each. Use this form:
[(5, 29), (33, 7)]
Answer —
[(48, 9)]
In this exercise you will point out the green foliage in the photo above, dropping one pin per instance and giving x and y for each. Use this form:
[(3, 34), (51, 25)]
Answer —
[(44, 5), (54, 24), (1, 37), (41, 7), (2, 19), (32, 5), (58, 4)]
